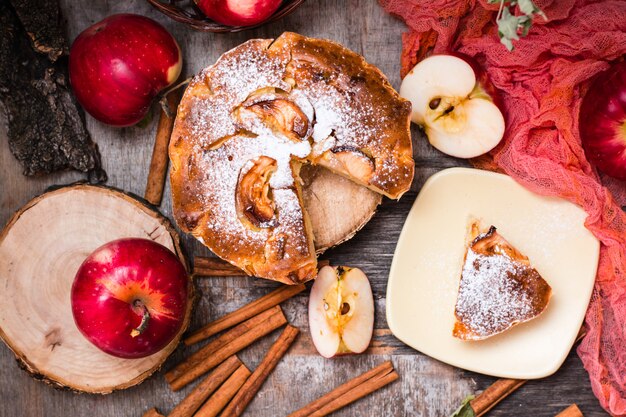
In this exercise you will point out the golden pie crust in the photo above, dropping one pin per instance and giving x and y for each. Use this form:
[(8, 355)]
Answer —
[(246, 125)]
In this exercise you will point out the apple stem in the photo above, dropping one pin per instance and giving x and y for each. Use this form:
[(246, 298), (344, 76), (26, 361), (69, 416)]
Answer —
[(145, 318), (163, 100)]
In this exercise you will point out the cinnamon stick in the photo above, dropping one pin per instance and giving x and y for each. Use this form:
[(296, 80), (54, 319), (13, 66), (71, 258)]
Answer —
[(193, 401), (571, 411), (244, 313), (495, 393), (217, 267), (349, 392), (357, 393), (230, 348), (222, 396), (152, 413), (252, 385), (210, 348), (501, 389), (160, 158)]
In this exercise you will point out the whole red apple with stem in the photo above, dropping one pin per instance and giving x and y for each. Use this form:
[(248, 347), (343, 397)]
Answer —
[(238, 12), (120, 64), (602, 121), (129, 297)]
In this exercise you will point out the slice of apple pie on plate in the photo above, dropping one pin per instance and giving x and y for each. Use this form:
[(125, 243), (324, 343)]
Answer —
[(433, 276), (498, 289)]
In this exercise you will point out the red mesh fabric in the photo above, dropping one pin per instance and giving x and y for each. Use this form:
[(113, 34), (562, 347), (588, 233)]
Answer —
[(543, 81)]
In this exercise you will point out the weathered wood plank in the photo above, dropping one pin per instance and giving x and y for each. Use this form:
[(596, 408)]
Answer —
[(426, 387)]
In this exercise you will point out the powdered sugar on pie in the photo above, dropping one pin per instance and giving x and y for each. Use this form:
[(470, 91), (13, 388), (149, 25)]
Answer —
[(498, 289), (246, 124)]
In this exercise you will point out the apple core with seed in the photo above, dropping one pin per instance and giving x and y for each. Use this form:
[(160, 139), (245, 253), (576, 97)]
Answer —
[(341, 311), (453, 105)]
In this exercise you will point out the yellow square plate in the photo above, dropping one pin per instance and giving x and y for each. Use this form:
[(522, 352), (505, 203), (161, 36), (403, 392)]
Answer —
[(426, 268)]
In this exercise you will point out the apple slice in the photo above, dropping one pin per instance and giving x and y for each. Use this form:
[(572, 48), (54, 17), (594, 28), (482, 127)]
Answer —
[(341, 311), (451, 101)]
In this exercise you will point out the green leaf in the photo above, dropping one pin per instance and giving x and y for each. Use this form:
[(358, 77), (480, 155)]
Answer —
[(540, 12), (525, 25), (507, 28), (511, 27), (507, 25), (528, 7), (465, 410), (507, 42)]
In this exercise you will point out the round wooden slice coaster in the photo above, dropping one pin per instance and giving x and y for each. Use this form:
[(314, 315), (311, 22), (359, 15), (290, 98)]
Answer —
[(337, 207), (41, 249)]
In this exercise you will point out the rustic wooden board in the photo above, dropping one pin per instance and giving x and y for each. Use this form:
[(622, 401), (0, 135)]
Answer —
[(50, 230), (427, 388)]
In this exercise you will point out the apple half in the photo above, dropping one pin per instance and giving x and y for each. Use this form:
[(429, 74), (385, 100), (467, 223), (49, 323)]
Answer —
[(453, 105), (341, 311)]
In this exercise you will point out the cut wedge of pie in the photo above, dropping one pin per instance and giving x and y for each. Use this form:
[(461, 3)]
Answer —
[(245, 126), (498, 289)]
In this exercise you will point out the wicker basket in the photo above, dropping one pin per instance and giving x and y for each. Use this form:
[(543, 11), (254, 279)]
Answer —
[(186, 11)]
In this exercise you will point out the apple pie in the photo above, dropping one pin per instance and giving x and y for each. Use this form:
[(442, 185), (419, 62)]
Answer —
[(246, 125), (498, 290)]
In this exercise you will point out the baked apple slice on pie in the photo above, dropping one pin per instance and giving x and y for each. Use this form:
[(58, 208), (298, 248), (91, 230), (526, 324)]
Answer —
[(499, 288)]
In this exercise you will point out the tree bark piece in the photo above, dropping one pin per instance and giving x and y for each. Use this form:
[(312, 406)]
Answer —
[(43, 23), (244, 313), (188, 406), (270, 315), (46, 128), (240, 401), (230, 348), (41, 249), (160, 158), (218, 401), (337, 207)]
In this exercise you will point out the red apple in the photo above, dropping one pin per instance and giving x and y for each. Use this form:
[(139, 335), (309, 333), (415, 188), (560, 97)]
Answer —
[(119, 65), (129, 297), (238, 12), (603, 121), (456, 104)]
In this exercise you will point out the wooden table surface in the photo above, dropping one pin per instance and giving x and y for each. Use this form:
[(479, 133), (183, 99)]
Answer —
[(427, 387)]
